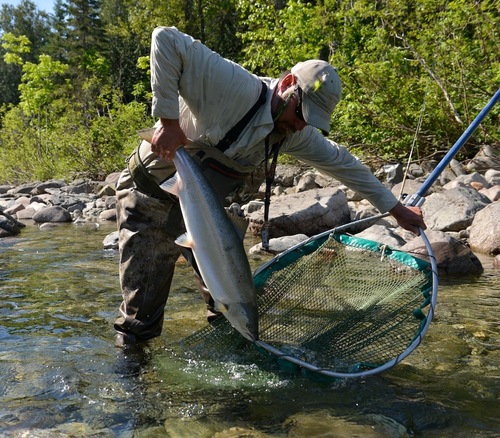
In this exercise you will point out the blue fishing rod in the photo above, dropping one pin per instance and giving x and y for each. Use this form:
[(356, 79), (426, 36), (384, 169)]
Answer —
[(418, 198)]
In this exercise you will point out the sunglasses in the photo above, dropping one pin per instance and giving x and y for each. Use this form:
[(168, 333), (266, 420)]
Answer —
[(298, 109)]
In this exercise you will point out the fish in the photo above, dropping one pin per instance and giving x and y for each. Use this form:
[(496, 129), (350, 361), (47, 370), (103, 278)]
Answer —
[(216, 239)]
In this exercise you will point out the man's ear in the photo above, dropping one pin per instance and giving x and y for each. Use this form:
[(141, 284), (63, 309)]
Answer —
[(288, 81)]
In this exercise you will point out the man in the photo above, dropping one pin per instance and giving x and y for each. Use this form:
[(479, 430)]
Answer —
[(238, 119)]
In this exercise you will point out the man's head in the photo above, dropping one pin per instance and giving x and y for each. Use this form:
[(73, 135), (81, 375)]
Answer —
[(321, 91)]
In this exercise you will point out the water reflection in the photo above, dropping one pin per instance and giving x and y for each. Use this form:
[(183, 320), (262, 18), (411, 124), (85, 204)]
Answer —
[(62, 375)]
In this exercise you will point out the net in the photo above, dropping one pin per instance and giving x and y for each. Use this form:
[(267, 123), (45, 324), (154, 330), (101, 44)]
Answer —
[(339, 305)]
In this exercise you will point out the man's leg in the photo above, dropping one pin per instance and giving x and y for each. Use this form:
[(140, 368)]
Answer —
[(147, 230)]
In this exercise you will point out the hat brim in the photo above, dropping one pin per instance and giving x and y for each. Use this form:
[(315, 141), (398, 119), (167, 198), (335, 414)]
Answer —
[(315, 115)]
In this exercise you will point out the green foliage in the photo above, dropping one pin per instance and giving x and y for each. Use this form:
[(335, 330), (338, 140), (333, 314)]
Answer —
[(15, 47), (39, 85), (74, 86), (277, 37)]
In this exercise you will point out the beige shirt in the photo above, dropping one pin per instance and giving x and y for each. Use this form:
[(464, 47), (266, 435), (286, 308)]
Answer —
[(210, 94)]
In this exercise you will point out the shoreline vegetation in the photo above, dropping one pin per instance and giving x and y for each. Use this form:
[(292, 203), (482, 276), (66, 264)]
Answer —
[(74, 84)]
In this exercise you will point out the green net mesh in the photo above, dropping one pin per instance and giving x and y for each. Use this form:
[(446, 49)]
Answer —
[(338, 303)]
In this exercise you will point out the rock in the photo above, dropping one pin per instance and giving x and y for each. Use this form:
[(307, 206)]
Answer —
[(25, 189), (454, 209), (26, 213), (310, 212), (468, 180), (485, 159), (253, 206), (108, 215), (410, 187), (452, 256), (42, 187), (111, 241), (306, 182), (52, 214), (8, 228), (364, 215), (415, 170), (457, 168), (4, 188), (107, 190), (493, 193), (382, 234), (279, 244), (493, 177), (485, 230), (78, 187), (285, 175)]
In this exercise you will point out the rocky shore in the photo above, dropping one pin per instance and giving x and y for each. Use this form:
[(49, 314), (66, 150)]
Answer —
[(462, 209)]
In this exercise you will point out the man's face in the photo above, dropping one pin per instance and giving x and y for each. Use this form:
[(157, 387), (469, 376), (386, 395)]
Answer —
[(290, 120)]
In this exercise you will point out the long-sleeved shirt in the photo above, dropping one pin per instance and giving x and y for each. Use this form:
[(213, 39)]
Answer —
[(210, 94)]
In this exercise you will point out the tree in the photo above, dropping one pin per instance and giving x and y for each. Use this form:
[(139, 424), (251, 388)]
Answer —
[(24, 19)]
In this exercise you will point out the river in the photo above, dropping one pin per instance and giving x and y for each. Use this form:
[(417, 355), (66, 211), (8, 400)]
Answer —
[(62, 376)]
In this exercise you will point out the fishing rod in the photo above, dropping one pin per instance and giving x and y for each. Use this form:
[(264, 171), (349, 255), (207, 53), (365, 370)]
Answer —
[(417, 199)]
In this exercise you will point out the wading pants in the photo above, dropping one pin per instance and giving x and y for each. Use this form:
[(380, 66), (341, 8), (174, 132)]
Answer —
[(147, 230)]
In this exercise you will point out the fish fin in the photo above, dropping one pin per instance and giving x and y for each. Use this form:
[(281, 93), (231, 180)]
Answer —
[(240, 223), (184, 240), (171, 185), (146, 134), (220, 306)]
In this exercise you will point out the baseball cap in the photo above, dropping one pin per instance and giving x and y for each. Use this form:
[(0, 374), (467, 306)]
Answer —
[(322, 90)]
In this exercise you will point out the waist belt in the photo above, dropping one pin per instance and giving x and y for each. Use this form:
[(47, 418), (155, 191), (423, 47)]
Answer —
[(143, 180)]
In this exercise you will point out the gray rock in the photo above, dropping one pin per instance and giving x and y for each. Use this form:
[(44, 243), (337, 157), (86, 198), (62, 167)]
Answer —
[(111, 241), (452, 256), (493, 193), (310, 212), (484, 160), (454, 209), (485, 230), (382, 234), (279, 244), (52, 214), (467, 180), (108, 215), (493, 177)]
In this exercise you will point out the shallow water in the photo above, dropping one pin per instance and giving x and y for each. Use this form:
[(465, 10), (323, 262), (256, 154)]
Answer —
[(61, 374)]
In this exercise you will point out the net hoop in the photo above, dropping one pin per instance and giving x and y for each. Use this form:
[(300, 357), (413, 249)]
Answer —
[(309, 246)]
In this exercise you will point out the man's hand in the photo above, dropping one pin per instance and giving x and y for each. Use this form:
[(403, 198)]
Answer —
[(410, 218), (167, 138)]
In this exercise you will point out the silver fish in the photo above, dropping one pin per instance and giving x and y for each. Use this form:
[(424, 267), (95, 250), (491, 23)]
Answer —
[(216, 242)]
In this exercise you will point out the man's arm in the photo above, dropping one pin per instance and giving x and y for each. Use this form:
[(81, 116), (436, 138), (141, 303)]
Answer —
[(328, 157)]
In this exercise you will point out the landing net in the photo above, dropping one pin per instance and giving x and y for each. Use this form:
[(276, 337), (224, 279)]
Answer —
[(339, 305)]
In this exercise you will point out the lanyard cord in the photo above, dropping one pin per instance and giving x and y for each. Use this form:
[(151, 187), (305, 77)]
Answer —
[(270, 174)]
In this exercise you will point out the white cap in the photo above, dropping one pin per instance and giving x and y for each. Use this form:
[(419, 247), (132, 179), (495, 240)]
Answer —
[(322, 90)]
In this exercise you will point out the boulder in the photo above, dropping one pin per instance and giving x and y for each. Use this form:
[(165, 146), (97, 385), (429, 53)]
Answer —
[(53, 214), (454, 209), (310, 212), (484, 234), (453, 257)]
